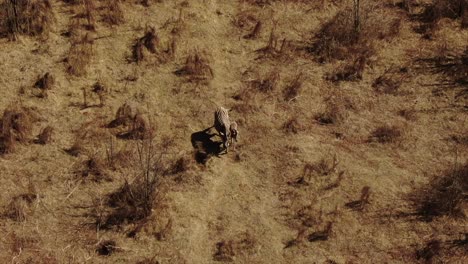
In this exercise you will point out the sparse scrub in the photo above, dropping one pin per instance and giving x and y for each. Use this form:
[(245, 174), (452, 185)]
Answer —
[(255, 31), (452, 69), (45, 136), (267, 84), (226, 251), (346, 35), (93, 169), (112, 13), (349, 71), (276, 48), (30, 17), (322, 235), (359, 205), (16, 127), (390, 81), (386, 134), (150, 42), (45, 82), (292, 89), (439, 9), (196, 68), (324, 167), (80, 54), (292, 125), (336, 105), (135, 201), (445, 195), (20, 207), (106, 247), (408, 114)]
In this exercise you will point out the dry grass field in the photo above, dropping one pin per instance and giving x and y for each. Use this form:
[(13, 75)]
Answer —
[(353, 131)]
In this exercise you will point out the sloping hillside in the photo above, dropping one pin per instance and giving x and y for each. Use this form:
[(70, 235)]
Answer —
[(352, 131)]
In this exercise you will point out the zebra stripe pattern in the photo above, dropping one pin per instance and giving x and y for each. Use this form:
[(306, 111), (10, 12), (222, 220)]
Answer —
[(222, 124)]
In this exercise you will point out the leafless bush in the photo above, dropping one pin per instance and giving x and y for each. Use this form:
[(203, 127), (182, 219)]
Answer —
[(335, 109), (31, 17), (445, 195), (268, 83), (349, 71), (292, 89), (196, 68), (149, 41), (321, 235), (255, 31), (408, 114), (276, 48), (345, 35), (19, 207), (93, 169), (112, 13), (46, 82), (16, 127), (386, 134), (227, 250), (358, 205), (292, 125), (431, 250), (438, 9), (45, 136), (390, 81), (106, 247), (452, 68), (135, 201)]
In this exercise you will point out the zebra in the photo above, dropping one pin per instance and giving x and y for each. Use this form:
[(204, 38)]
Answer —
[(224, 127)]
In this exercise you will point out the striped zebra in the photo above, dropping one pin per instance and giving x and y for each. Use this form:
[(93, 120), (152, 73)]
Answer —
[(223, 125)]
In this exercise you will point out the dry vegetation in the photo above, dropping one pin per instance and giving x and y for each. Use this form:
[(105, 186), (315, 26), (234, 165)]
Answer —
[(352, 119)]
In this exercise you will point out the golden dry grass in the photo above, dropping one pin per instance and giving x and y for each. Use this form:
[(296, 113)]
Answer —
[(365, 166)]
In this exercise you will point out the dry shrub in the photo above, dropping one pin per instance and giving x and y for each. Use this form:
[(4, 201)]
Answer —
[(80, 54), (19, 207), (45, 82), (385, 134), (45, 136), (439, 9), (408, 114), (112, 13), (340, 39), (227, 250), (268, 83), (255, 31), (77, 148), (358, 205), (349, 71), (293, 88), (431, 250), (276, 48), (135, 201), (181, 165), (125, 114), (196, 68), (452, 68), (149, 42), (324, 167), (93, 169), (390, 81), (292, 125), (321, 235), (335, 109), (445, 195), (106, 247), (16, 127), (31, 17)]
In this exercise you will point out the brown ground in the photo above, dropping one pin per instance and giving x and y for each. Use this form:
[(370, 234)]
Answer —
[(250, 205)]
